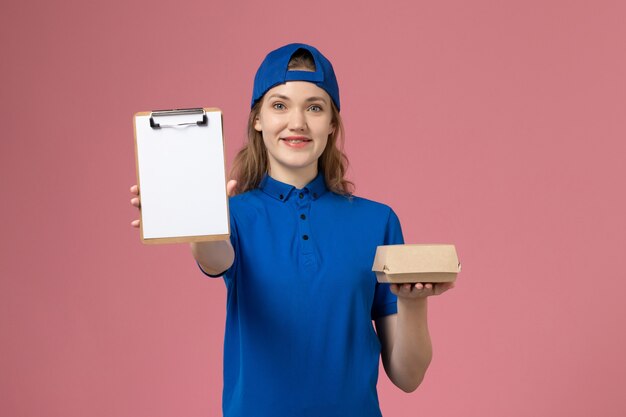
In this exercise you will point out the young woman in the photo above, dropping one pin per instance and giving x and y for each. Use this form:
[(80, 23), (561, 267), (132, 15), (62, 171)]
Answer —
[(301, 294)]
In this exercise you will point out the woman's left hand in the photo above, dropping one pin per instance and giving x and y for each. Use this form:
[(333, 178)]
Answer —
[(420, 290)]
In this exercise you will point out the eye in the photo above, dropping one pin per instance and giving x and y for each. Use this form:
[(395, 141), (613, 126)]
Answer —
[(278, 106), (315, 108)]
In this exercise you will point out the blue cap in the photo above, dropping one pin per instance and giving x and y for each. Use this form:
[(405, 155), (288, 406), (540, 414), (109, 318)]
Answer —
[(273, 71)]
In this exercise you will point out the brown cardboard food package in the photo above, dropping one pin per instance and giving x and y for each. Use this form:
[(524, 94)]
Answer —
[(416, 263)]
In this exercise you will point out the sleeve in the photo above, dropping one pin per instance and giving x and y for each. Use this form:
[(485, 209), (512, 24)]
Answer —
[(234, 241), (385, 302)]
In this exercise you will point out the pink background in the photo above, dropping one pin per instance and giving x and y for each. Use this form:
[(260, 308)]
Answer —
[(497, 126)]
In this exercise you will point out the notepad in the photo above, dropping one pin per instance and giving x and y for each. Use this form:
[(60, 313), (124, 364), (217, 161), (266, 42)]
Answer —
[(181, 175)]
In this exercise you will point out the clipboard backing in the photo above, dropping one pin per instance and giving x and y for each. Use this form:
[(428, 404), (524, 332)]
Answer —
[(181, 175)]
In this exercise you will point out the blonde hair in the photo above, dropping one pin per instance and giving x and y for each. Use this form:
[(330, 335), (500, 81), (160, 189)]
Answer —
[(251, 162)]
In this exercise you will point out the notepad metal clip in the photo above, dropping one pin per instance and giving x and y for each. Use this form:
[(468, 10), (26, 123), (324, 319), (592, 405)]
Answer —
[(179, 112)]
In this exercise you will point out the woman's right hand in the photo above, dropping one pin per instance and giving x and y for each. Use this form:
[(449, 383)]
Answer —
[(136, 201)]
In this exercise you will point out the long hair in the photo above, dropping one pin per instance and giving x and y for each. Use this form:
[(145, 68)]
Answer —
[(251, 163)]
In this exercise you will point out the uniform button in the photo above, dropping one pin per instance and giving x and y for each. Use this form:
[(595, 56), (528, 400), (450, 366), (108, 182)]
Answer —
[(303, 216), (281, 196), (301, 195), (305, 237)]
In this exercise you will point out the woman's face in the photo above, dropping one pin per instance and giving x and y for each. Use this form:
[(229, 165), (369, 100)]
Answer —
[(295, 120)]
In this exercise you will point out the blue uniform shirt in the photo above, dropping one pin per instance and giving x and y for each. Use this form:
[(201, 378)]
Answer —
[(301, 298)]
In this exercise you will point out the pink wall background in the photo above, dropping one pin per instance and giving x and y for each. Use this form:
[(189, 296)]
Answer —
[(498, 126)]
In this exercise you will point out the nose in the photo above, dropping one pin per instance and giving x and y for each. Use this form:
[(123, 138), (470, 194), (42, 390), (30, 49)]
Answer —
[(297, 120)]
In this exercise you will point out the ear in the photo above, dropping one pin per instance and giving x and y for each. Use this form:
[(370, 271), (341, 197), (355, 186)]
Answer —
[(332, 128), (257, 124)]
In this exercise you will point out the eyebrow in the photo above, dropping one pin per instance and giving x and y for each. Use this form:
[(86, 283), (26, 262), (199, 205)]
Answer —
[(310, 99)]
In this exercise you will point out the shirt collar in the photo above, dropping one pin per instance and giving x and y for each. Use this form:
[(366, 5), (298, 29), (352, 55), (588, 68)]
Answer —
[(281, 191)]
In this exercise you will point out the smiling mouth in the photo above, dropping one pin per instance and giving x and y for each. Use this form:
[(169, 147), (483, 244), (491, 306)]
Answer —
[(296, 139)]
